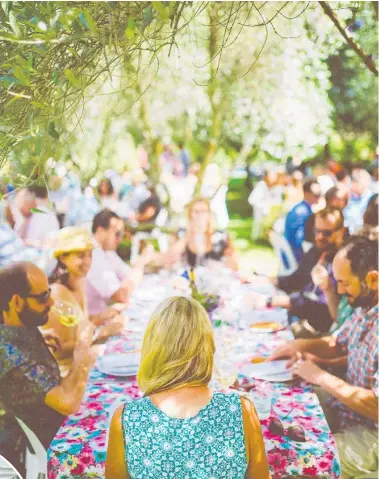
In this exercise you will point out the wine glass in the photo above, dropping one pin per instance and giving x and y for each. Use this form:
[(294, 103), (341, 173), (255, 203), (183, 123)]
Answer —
[(226, 372), (69, 314), (319, 274)]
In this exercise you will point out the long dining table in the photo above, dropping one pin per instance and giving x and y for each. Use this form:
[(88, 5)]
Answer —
[(80, 446)]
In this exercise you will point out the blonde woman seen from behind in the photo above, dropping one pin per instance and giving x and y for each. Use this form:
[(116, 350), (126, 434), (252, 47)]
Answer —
[(181, 428)]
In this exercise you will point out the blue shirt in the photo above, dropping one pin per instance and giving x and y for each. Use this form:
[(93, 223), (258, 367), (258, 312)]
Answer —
[(353, 213), (12, 248), (295, 227)]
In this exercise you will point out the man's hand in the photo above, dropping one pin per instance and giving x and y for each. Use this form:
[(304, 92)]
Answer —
[(255, 300), (307, 370), (148, 255), (113, 328), (93, 355), (119, 307), (285, 350), (106, 315), (305, 356)]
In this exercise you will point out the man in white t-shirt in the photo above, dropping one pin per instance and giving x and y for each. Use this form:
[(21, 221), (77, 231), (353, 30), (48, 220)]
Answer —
[(110, 279)]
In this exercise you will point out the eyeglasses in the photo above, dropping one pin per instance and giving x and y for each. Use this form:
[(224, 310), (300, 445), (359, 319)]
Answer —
[(41, 297), (326, 233), (119, 234), (295, 433)]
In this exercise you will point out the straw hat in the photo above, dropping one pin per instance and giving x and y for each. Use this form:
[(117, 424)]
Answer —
[(72, 238)]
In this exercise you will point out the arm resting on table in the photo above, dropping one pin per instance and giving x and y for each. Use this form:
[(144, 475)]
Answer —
[(115, 465), (325, 347), (363, 401), (127, 287)]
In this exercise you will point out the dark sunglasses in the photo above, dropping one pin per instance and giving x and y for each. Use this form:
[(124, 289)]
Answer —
[(41, 297), (326, 233), (295, 433), (119, 234)]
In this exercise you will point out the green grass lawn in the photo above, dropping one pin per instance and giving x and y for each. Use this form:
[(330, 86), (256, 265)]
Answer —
[(253, 256)]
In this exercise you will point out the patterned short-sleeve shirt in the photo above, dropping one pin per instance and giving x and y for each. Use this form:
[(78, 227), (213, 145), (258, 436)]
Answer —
[(28, 372), (210, 445), (358, 338)]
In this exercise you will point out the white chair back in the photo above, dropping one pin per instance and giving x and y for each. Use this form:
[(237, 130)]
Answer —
[(218, 207), (7, 470), (282, 247), (36, 460)]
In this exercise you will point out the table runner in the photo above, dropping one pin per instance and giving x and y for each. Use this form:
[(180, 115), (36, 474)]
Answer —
[(79, 448)]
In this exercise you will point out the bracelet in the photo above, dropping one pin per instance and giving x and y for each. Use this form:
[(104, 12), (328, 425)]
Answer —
[(269, 302)]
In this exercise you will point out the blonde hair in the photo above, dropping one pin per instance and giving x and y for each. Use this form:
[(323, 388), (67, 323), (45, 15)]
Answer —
[(178, 347), (208, 205)]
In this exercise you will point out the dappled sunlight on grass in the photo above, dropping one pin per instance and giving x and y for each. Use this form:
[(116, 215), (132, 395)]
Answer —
[(252, 256)]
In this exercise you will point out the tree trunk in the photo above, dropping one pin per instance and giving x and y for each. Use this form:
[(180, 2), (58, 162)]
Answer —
[(214, 93)]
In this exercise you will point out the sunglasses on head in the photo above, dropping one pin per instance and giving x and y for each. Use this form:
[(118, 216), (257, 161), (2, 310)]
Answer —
[(295, 433), (41, 297)]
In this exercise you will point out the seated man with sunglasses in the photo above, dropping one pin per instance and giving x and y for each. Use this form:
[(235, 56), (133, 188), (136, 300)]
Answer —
[(110, 279), (30, 384), (304, 300)]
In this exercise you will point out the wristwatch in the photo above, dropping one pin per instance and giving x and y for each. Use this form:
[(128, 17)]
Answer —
[(269, 302)]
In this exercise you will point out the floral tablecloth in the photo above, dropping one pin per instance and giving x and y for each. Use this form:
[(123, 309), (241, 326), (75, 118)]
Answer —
[(79, 448)]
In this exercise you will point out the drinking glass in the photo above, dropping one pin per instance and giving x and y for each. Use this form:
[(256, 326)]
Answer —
[(69, 314), (226, 372), (319, 273), (262, 403)]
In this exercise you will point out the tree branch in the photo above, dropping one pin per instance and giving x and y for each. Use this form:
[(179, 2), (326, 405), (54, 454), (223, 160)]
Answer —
[(366, 59)]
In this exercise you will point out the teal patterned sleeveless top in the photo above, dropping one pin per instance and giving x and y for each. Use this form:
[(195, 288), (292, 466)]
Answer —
[(210, 445)]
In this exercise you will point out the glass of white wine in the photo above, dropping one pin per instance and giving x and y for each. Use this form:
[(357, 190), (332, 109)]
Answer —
[(69, 314), (226, 372)]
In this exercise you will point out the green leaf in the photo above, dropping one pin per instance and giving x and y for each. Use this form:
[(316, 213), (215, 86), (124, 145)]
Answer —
[(14, 24), (131, 28), (91, 24), (72, 78), (30, 63), (38, 146), (55, 78), (52, 131), (147, 16), (36, 210), (6, 6), (37, 104), (161, 9), (20, 75), (74, 52)]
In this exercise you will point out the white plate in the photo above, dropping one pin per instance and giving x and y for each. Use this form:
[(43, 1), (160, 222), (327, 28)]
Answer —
[(120, 364), (273, 371)]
